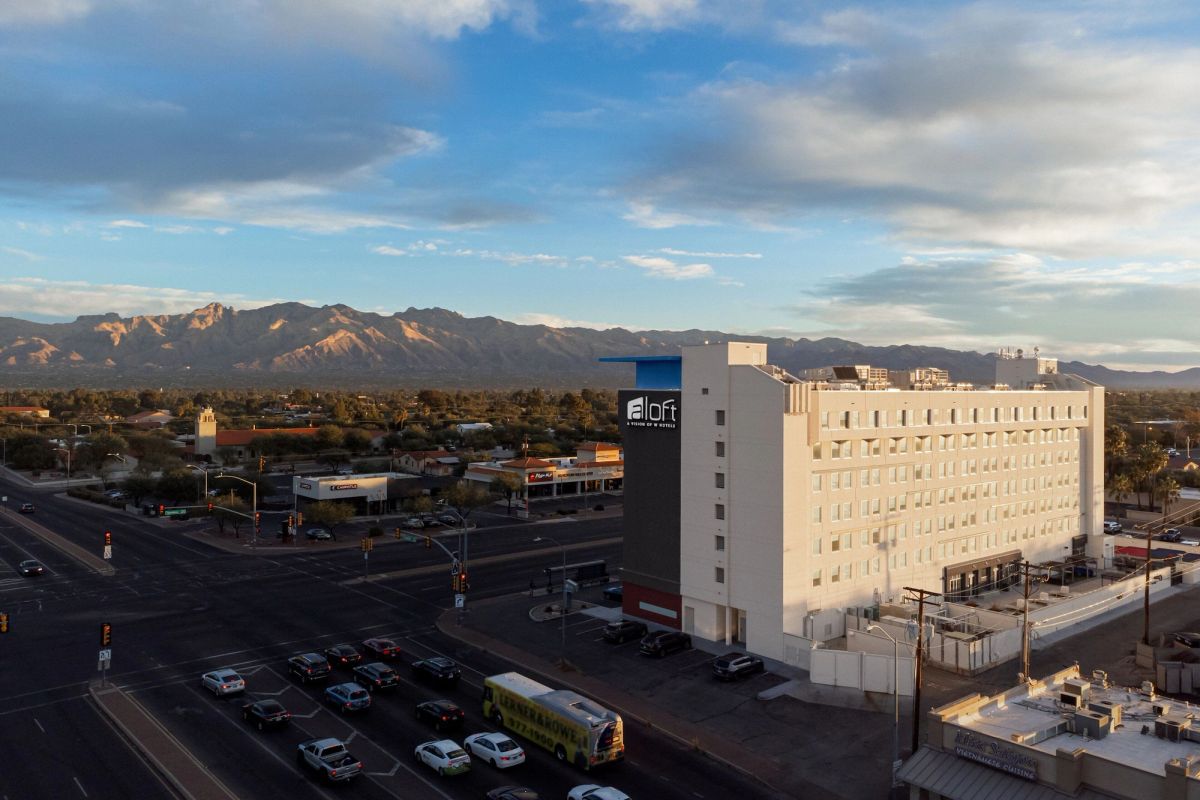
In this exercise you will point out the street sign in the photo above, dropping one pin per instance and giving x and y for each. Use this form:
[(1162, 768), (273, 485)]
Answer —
[(460, 600), (366, 555), (107, 552), (572, 587), (175, 512), (106, 654)]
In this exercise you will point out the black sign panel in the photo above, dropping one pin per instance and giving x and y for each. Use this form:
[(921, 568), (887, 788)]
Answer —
[(650, 410)]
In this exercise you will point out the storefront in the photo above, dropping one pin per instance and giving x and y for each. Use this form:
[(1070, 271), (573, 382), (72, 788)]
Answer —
[(367, 493)]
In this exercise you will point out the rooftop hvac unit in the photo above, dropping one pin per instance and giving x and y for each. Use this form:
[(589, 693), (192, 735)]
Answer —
[(1169, 729), (1114, 711), (1100, 677), (1148, 689), (1090, 724), (1068, 699), (1077, 686), (1160, 709)]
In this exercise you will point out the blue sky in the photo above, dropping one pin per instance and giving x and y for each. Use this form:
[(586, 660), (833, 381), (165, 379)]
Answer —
[(971, 175)]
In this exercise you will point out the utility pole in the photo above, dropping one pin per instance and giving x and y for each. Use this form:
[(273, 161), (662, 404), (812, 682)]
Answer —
[(920, 595), (1146, 593), (1025, 567)]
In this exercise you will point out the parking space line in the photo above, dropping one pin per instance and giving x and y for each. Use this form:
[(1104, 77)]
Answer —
[(81, 789)]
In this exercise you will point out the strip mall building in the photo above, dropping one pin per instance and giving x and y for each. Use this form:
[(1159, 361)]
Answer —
[(759, 506)]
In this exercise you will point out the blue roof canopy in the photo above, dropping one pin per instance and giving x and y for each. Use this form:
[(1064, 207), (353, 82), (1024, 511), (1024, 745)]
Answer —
[(653, 372)]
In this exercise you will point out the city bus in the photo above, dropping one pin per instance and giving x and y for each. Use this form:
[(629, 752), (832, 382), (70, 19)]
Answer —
[(574, 728)]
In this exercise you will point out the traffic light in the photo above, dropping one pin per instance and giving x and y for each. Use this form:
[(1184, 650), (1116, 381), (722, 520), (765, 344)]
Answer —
[(210, 508), (161, 509), (428, 542), (262, 462), (462, 581), (299, 518), (105, 634), (291, 520), (3, 622), (108, 538), (257, 519), (398, 533), (455, 581)]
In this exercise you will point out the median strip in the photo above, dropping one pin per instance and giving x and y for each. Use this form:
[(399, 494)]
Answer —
[(62, 544)]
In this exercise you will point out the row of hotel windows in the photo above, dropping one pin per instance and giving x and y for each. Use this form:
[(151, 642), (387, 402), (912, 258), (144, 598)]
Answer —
[(899, 445), (874, 508), (846, 571), (906, 417), (844, 479), (891, 534)]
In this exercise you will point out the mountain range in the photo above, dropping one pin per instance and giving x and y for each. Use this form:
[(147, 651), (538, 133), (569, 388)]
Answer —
[(292, 344)]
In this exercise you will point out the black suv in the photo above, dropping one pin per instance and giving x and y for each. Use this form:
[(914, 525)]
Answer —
[(732, 666), (661, 643), (623, 630), (438, 669), (376, 675), (309, 667)]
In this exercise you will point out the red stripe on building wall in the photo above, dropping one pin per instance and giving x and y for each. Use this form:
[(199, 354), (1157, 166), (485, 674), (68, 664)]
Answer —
[(634, 596)]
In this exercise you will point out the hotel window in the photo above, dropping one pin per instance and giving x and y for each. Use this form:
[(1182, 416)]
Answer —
[(719, 574), (816, 577), (719, 544), (816, 514), (703, 390), (929, 416), (719, 480), (835, 574), (816, 546), (720, 449), (719, 510), (816, 483), (875, 422), (824, 420), (720, 413)]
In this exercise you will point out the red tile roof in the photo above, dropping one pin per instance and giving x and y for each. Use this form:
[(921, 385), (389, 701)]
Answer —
[(527, 463), (244, 437), (598, 446)]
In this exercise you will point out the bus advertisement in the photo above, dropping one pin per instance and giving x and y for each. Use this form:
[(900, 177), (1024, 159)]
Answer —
[(574, 728)]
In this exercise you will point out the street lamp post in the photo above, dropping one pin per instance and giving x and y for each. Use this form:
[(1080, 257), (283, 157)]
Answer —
[(562, 609), (896, 692), (68, 452), (254, 508), (200, 469)]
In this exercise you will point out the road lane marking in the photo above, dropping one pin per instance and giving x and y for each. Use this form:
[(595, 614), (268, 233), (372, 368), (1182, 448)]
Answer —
[(81, 789), (37, 722)]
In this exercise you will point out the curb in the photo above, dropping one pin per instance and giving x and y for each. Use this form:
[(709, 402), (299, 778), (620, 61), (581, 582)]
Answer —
[(220, 790), (61, 544), (533, 665)]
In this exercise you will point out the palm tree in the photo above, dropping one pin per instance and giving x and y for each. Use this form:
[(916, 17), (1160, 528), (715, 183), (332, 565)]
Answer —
[(1168, 491), (1120, 486)]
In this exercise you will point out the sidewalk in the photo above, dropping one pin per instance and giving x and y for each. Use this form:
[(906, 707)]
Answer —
[(187, 775)]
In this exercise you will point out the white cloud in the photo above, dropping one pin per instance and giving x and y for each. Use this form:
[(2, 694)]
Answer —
[(442, 19), (645, 215), (69, 299), (671, 251), (388, 250), (516, 259), (651, 15), (42, 12), (978, 128), (222, 230), (127, 223), (658, 267), (25, 254), (556, 321)]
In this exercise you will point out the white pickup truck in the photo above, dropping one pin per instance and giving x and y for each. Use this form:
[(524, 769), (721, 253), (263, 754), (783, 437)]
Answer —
[(330, 758)]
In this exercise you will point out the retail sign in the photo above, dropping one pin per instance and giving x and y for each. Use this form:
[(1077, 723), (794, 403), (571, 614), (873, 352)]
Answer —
[(650, 411), (305, 485), (996, 755), (343, 487), (539, 477)]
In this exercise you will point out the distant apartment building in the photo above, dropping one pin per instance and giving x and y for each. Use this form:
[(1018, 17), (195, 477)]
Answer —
[(26, 411), (919, 378), (798, 500), (859, 375)]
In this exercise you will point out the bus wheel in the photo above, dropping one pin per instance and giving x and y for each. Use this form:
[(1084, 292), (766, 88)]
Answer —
[(560, 752)]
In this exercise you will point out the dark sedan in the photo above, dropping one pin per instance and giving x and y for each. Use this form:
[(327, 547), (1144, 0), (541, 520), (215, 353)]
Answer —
[(441, 714), (437, 670), (266, 714), (614, 592), (26, 508), (31, 567), (382, 648), (512, 793), (344, 654)]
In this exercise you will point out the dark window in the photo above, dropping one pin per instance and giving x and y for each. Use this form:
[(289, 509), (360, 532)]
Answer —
[(720, 416), (720, 449), (720, 510), (720, 480)]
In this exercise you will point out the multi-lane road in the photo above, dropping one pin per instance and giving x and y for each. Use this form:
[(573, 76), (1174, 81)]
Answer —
[(179, 607)]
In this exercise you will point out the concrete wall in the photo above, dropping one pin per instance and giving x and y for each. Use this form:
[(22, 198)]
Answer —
[(868, 672)]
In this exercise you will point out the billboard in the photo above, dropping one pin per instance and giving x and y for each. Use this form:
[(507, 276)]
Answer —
[(644, 409)]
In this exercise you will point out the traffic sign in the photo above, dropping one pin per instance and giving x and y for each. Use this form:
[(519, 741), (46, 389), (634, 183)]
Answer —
[(107, 552), (460, 600), (106, 654)]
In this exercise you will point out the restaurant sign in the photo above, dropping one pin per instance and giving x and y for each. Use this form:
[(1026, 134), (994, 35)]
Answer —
[(996, 755)]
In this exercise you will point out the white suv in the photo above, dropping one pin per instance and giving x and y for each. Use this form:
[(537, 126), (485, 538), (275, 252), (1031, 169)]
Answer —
[(1112, 526)]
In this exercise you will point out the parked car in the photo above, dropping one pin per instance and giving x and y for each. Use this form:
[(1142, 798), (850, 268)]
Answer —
[(448, 519), (444, 757), (223, 682), (623, 630), (348, 697), (662, 643), (495, 748), (512, 793), (307, 667), (591, 791), (375, 676), (1187, 638), (31, 567), (26, 508), (413, 522), (1171, 535), (265, 714), (735, 665), (345, 654), (438, 669), (441, 714), (614, 592), (1113, 526), (317, 534), (382, 648)]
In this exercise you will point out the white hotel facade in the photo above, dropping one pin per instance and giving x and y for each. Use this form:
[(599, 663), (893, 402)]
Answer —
[(799, 500)]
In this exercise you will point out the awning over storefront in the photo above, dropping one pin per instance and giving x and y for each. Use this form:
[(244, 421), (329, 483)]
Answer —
[(957, 778), (984, 563)]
